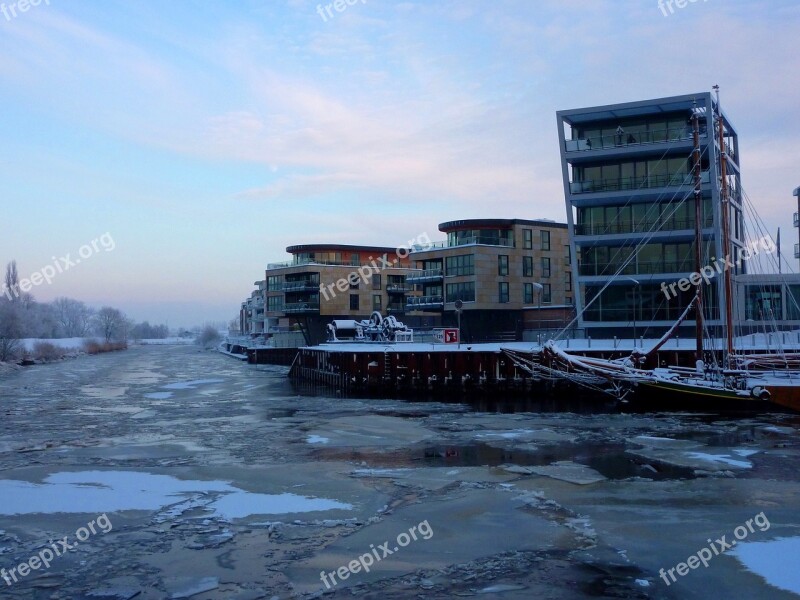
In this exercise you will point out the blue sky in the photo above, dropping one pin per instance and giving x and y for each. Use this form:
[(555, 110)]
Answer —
[(205, 136)]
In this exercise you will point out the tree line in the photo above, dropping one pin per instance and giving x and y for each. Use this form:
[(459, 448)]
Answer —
[(21, 316)]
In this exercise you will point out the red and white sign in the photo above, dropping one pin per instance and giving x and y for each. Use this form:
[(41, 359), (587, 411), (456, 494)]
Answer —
[(446, 336)]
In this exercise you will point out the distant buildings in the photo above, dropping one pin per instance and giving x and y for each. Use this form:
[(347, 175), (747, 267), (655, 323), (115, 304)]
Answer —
[(510, 274)]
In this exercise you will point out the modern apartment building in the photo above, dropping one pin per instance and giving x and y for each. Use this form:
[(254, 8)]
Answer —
[(251, 313), (628, 186), (510, 274), (323, 282)]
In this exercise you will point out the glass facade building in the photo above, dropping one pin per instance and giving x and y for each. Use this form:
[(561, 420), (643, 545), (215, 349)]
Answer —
[(628, 186)]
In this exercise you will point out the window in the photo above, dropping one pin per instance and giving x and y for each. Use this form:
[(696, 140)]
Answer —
[(527, 266), (353, 301), (354, 260), (527, 239), (274, 283), (567, 253), (460, 265), (527, 293), (502, 292), (461, 291), (376, 281), (354, 280), (546, 294), (545, 266), (274, 303), (376, 302), (502, 264), (545, 239), (567, 282)]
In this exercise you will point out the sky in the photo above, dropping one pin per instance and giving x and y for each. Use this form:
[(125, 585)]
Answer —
[(201, 138)]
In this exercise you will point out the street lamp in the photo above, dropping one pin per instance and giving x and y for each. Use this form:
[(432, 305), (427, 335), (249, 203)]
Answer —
[(539, 288), (635, 305)]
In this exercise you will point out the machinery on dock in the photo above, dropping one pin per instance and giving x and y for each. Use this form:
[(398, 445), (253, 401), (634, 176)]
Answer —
[(375, 329)]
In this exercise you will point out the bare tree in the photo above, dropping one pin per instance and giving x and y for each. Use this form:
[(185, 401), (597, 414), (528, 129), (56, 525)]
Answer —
[(11, 289), (208, 337), (111, 324), (74, 318), (10, 330)]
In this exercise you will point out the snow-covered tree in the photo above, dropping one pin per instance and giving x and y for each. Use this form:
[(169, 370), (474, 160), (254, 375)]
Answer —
[(111, 324)]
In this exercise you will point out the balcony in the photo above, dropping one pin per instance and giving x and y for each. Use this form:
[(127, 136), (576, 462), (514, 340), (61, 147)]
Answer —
[(641, 138), (426, 275), (424, 303), (636, 268), (306, 285), (633, 183), (479, 239), (639, 227), (395, 308), (399, 288), (301, 307)]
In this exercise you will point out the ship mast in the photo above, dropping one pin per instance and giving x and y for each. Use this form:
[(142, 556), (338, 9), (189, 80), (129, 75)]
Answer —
[(698, 235), (726, 241)]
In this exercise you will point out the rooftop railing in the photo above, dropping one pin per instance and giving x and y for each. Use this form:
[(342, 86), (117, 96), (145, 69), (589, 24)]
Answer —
[(638, 138)]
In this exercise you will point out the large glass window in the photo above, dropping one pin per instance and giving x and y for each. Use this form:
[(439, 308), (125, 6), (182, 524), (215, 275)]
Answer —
[(545, 239), (527, 239), (460, 265), (545, 266), (527, 293), (274, 303), (461, 291), (502, 265), (502, 292), (547, 296), (527, 266)]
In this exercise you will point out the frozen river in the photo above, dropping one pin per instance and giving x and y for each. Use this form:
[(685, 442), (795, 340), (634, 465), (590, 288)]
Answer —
[(167, 472)]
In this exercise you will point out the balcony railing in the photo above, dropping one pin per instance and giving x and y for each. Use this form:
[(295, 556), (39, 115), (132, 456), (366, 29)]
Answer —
[(424, 302), (633, 183), (479, 239), (426, 275), (396, 308), (301, 286), (301, 307), (637, 268), (398, 288), (639, 227), (616, 140)]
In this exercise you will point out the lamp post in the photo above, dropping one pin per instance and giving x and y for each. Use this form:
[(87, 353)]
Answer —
[(635, 305), (539, 288), (459, 306)]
